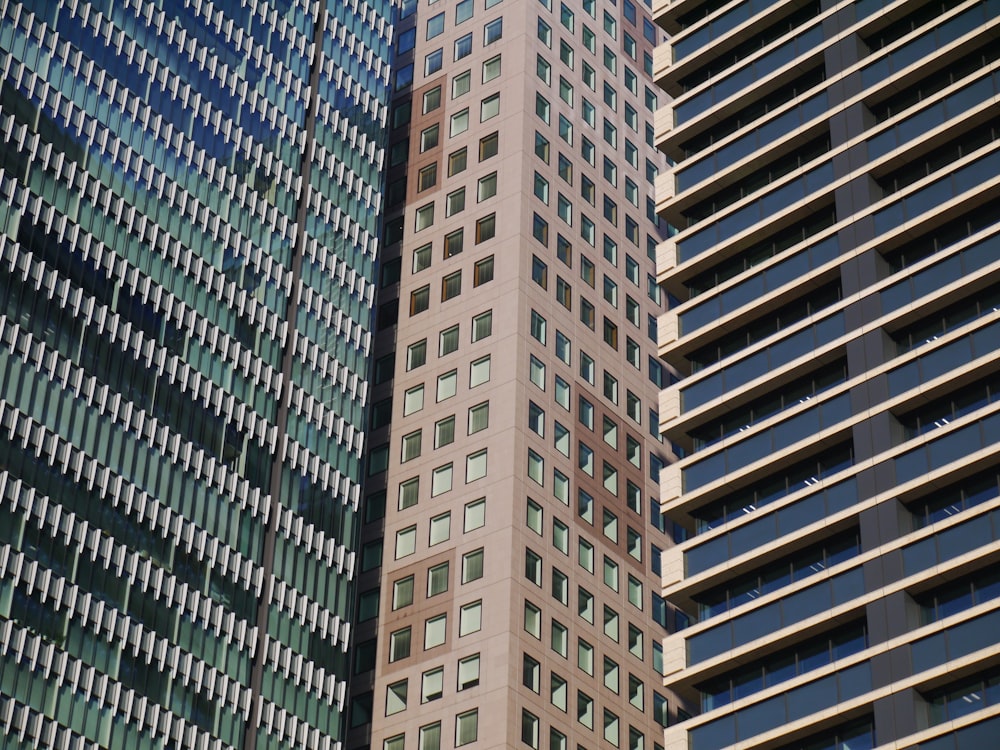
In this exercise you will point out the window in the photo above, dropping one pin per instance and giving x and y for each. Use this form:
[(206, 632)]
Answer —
[(541, 189), (475, 515), (562, 393), (560, 536), (410, 446), (441, 480), (435, 631), (413, 400), (459, 123), (529, 729), (561, 439), (463, 11), (585, 506), (461, 84), (491, 69), (402, 593), (566, 91), (427, 177), (585, 552), (406, 41), (557, 692), (610, 61), (530, 673), (536, 372), (453, 243), (560, 586), (489, 107), (406, 542), (564, 296), (566, 17), (587, 190), (424, 217), (470, 618), (565, 209), (466, 727), (611, 624), (468, 672), (435, 25), (610, 381), (611, 730), (587, 373), (433, 62), (587, 314), (463, 46), (540, 229), (482, 326), (486, 187), (440, 529), (479, 371), (532, 620), (437, 580), (399, 644), (493, 31), (538, 325), (536, 467), (563, 345), (451, 286), (472, 566), (610, 292), (543, 70), (587, 230), (444, 432), (475, 466), (585, 605), (457, 162), (430, 737), (486, 228), (589, 113), (610, 573), (540, 275), (482, 271), (585, 656), (541, 147), (635, 592), (542, 108), (566, 169), (455, 202), (416, 354), (431, 685), (420, 300), (479, 417), (611, 673), (536, 419), (544, 33)]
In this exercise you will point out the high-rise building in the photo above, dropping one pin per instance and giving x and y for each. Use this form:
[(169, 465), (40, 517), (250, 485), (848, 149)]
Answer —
[(520, 578), (188, 233), (836, 264)]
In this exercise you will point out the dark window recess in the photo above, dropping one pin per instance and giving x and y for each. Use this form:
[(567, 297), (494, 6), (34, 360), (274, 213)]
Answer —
[(935, 81), (940, 322), (761, 408), (784, 665), (942, 157), (912, 21), (758, 179), (772, 322), (760, 40), (955, 498), (960, 595), (943, 410), (704, 10), (944, 236), (755, 111), (741, 501), (762, 251), (775, 575)]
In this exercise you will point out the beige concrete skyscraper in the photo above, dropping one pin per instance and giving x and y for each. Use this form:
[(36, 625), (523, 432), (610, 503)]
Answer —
[(519, 602), (836, 264)]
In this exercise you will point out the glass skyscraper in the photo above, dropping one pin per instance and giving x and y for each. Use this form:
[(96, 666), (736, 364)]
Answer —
[(836, 259), (188, 233)]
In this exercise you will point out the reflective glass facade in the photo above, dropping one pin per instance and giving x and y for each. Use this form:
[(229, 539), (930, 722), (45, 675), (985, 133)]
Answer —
[(835, 255), (188, 241)]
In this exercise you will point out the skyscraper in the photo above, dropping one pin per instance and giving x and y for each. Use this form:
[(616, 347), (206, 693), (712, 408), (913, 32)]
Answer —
[(520, 598), (836, 262), (189, 231)]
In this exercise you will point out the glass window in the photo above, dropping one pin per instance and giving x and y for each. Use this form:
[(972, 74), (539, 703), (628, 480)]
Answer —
[(459, 123), (483, 271), (560, 639), (454, 243), (441, 480), (433, 62), (430, 737), (427, 177), (543, 70), (489, 108), (444, 432), (455, 202), (435, 631), (475, 466), (461, 84), (416, 354), (538, 326), (424, 217), (410, 446), (457, 162), (482, 326), (491, 69), (463, 46), (479, 417), (466, 727), (399, 644), (402, 593), (472, 566), (486, 187), (431, 685), (532, 620), (406, 542), (435, 25), (440, 529), (545, 33), (486, 228), (413, 400), (451, 287), (437, 579), (463, 11), (468, 672), (470, 618), (493, 31), (475, 515), (432, 99), (479, 371)]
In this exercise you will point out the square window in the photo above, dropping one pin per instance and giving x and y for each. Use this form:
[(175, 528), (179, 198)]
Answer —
[(410, 446), (402, 593), (399, 645), (451, 286), (543, 70), (444, 432), (463, 46), (440, 529), (489, 146), (424, 217), (482, 326), (489, 107), (479, 371), (468, 672), (427, 177), (461, 84), (455, 202), (457, 162), (435, 25), (435, 631), (459, 123), (493, 31), (483, 271), (539, 272), (413, 400), (541, 147), (466, 727), (416, 355), (447, 384), (464, 11), (409, 492), (540, 229), (431, 685), (486, 228), (491, 69), (433, 62), (479, 417), (454, 243), (486, 187), (472, 566), (437, 579), (432, 100), (406, 542), (430, 737), (475, 515), (475, 466), (441, 480), (470, 618)]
